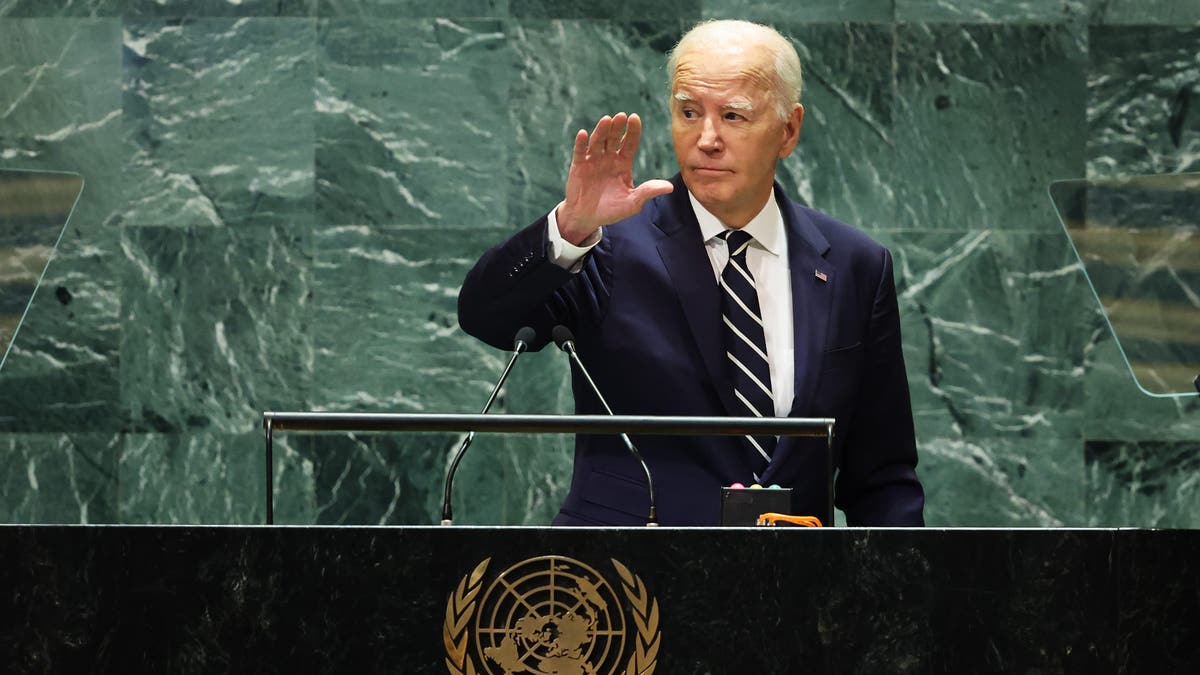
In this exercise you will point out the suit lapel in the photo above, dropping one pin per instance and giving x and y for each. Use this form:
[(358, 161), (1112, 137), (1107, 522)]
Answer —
[(682, 252), (812, 298)]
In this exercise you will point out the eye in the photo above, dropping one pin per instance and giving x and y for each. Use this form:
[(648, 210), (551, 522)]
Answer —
[(733, 117), (688, 113)]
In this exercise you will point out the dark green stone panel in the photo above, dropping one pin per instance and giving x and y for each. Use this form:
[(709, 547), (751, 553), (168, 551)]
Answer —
[(980, 361), (453, 9), (564, 87), (988, 11), (59, 478), (986, 117), (156, 8), (60, 105), (387, 340), (648, 11), (1145, 12), (828, 11), (215, 327), (218, 118), (1117, 409), (844, 163), (1143, 483), (1143, 100), (1003, 481), (217, 478), (62, 370), (410, 124)]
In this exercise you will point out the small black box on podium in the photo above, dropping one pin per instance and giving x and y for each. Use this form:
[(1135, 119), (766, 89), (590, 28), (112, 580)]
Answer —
[(741, 507)]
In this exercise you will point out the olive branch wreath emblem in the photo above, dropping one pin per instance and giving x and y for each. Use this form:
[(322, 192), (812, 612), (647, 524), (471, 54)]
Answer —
[(461, 606)]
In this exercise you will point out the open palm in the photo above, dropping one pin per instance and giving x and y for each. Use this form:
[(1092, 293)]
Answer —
[(600, 188)]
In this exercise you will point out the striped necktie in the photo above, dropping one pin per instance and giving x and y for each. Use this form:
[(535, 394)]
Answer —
[(745, 343)]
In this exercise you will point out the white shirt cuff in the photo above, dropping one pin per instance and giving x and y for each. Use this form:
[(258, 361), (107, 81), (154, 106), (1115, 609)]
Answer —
[(562, 252)]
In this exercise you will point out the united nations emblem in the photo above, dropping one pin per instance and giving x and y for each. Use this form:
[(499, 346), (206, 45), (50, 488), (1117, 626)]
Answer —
[(551, 615)]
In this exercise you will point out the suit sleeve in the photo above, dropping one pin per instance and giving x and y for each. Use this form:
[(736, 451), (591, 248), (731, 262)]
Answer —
[(877, 483), (516, 284)]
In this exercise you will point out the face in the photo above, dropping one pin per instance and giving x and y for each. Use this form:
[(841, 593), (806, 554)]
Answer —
[(727, 134)]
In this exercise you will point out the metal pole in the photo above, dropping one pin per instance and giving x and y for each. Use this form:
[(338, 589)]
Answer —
[(829, 474), (270, 472), (593, 424)]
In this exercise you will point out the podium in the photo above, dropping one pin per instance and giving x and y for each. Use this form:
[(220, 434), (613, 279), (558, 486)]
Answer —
[(757, 600)]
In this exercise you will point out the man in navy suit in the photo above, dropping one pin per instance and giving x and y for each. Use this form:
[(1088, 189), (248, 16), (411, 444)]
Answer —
[(713, 294)]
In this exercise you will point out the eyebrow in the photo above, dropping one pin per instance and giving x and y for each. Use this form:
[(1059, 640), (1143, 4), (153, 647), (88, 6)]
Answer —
[(740, 104)]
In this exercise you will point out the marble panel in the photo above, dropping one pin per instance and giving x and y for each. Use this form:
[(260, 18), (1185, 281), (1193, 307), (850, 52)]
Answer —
[(845, 162), (387, 340), (448, 9), (647, 11), (60, 105), (60, 109), (216, 326), (409, 124), (520, 479), (1144, 12), (986, 11), (1143, 110), (1117, 408), (986, 117), (997, 481), (156, 8), (61, 373), (392, 479), (1143, 483), (219, 478), (59, 478), (997, 329), (815, 11), (219, 122), (571, 73)]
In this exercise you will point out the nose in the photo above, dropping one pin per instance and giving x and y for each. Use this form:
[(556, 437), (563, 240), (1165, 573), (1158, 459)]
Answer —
[(710, 140)]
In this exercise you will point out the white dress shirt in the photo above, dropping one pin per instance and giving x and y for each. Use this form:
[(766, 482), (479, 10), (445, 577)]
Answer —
[(767, 258)]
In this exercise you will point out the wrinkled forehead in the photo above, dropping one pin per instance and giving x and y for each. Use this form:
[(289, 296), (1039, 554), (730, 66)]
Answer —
[(724, 66)]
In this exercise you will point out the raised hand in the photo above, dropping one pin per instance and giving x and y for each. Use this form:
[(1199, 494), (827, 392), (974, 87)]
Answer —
[(600, 187)]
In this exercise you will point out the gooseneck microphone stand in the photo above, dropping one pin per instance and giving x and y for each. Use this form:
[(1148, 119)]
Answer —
[(566, 341), (520, 345)]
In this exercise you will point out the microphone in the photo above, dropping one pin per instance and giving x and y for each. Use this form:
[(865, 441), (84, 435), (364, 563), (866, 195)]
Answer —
[(520, 344), (566, 341)]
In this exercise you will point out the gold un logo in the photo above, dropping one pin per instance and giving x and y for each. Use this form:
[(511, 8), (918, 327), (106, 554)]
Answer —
[(551, 615)]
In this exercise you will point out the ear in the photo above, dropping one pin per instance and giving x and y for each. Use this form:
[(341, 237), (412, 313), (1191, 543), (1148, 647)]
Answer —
[(791, 131)]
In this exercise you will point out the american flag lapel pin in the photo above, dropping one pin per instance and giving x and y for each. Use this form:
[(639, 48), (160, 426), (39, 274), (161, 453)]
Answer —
[(821, 276)]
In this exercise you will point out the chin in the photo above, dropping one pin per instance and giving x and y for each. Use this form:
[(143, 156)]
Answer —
[(710, 192)]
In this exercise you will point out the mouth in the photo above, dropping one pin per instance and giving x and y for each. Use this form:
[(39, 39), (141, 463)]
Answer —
[(710, 171)]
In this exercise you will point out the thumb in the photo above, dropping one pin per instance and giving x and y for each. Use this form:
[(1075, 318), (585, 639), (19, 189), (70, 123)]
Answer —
[(651, 189)]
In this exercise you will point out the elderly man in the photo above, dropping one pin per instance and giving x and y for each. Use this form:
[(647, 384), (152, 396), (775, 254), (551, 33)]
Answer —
[(713, 294)]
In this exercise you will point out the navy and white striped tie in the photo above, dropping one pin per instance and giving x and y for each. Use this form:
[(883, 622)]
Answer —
[(745, 343)]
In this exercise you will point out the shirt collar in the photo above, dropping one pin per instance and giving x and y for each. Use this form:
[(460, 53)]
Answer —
[(766, 227)]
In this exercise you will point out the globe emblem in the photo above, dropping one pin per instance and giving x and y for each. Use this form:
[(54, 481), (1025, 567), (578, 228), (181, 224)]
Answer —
[(550, 615)]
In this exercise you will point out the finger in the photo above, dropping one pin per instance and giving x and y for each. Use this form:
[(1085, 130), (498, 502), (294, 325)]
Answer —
[(599, 135), (579, 153), (633, 136), (613, 142)]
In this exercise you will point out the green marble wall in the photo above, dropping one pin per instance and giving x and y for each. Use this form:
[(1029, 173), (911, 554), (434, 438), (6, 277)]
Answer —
[(282, 199)]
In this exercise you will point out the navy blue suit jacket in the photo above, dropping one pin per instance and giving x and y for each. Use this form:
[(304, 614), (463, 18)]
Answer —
[(645, 313)]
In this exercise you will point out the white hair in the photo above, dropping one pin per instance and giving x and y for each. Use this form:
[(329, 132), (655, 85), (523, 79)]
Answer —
[(786, 77)]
